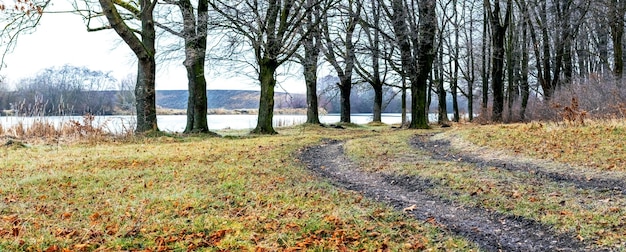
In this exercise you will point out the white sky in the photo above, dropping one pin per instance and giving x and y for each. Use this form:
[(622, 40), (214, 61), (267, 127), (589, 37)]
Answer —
[(63, 39)]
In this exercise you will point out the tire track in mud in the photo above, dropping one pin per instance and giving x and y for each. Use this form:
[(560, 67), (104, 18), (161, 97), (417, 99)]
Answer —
[(440, 149), (491, 231)]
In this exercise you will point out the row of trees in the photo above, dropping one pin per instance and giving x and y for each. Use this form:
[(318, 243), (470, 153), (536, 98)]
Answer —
[(271, 32), (506, 50), (68, 90)]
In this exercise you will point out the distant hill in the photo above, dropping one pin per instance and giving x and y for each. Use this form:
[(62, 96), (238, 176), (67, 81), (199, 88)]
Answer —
[(228, 99)]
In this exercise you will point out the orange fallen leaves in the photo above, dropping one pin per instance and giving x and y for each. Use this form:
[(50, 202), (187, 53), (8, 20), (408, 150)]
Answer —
[(66, 215), (194, 240), (94, 217), (410, 208)]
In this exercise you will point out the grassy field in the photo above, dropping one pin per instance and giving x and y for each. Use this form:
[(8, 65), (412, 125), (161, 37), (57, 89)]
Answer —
[(235, 193), (242, 192)]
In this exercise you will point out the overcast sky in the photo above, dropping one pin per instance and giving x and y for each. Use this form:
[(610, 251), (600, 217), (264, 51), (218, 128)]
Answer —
[(63, 39)]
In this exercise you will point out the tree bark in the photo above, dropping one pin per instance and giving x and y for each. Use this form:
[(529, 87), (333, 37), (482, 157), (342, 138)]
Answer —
[(484, 71), (345, 88), (427, 29), (616, 20), (416, 69), (195, 37), (311, 44), (454, 82), (525, 88), (197, 104), (442, 115), (378, 102), (144, 50), (498, 30), (312, 112), (267, 70), (343, 60), (511, 60)]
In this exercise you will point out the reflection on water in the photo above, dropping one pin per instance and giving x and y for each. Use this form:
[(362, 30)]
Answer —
[(176, 123)]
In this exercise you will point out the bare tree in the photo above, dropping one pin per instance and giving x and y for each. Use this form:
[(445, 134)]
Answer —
[(194, 32), (272, 29), (439, 71), (66, 90), (617, 8), (309, 59), (373, 65), (415, 42), (339, 49), (126, 94), (498, 28), (134, 23), (467, 61)]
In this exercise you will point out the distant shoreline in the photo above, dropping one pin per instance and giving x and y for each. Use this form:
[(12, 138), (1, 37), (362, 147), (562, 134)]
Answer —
[(219, 111)]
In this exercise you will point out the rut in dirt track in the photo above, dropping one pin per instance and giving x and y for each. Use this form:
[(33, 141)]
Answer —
[(442, 150), (489, 230)]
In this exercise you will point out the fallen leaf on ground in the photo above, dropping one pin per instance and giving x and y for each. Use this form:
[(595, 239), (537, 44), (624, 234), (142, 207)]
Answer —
[(410, 208)]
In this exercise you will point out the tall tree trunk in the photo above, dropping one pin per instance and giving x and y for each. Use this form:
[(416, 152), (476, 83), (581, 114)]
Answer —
[(375, 80), (546, 83), (454, 87), (145, 95), (616, 20), (345, 89), (144, 50), (525, 89), (486, 64), (455, 69), (195, 37), (309, 62), (497, 72), (344, 71), (197, 107), (471, 78), (403, 102), (416, 69), (378, 102), (427, 29), (267, 71), (564, 52), (311, 45), (603, 48), (582, 54), (511, 61), (442, 115), (310, 79)]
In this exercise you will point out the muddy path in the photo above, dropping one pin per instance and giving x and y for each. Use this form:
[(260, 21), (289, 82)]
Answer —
[(491, 231)]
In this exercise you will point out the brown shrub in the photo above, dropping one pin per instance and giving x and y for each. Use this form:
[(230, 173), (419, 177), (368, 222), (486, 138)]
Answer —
[(592, 98)]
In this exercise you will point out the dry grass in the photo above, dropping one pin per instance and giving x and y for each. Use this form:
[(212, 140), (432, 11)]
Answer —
[(238, 193), (597, 144), (73, 131), (593, 216)]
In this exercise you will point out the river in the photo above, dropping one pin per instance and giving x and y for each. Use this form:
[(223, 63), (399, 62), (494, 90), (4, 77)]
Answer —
[(176, 123)]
